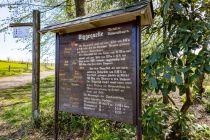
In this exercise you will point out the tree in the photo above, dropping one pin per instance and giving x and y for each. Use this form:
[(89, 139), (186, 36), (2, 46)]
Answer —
[(52, 12), (80, 7), (180, 58)]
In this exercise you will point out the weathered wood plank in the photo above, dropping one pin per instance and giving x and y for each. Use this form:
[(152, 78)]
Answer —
[(20, 24), (36, 65)]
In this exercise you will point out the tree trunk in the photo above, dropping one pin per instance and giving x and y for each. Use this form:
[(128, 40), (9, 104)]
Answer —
[(69, 9), (189, 100), (165, 99), (199, 84), (80, 7), (200, 79)]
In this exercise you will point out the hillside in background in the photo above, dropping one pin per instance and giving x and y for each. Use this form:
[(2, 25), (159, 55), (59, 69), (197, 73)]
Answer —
[(9, 68)]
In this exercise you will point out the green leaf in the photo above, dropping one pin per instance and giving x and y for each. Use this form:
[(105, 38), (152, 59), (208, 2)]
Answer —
[(182, 90), (206, 1), (198, 71), (193, 77), (174, 51), (173, 88), (186, 38), (167, 76), (148, 69), (207, 68), (195, 88), (180, 62), (178, 7), (184, 30), (154, 57), (168, 68), (166, 7), (185, 69), (153, 82), (165, 91), (179, 80), (158, 71)]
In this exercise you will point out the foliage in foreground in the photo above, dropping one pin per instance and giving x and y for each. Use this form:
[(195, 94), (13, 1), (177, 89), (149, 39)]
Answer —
[(157, 120), (181, 55), (163, 122)]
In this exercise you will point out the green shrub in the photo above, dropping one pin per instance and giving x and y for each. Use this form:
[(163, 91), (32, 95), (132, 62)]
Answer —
[(181, 126), (155, 121), (201, 132), (164, 122), (208, 107), (208, 101), (109, 130)]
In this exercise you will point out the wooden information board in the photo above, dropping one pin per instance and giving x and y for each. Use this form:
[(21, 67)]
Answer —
[(97, 72)]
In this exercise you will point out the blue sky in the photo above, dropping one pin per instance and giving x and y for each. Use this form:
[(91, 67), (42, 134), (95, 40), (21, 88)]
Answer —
[(8, 45)]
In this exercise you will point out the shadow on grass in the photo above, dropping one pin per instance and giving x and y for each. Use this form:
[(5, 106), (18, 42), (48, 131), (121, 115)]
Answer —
[(18, 124), (25, 131), (16, 108), (23, 91), (15, 92), (1, 106)]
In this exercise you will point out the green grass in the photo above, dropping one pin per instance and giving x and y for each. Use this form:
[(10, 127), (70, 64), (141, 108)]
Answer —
[(15, 109), (16, 123), (16, 68)]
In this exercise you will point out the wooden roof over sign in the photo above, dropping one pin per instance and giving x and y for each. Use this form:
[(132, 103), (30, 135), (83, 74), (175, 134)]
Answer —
[(143, 8)]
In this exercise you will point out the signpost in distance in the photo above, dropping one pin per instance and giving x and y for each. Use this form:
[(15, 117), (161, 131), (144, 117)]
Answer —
[(21, 30)]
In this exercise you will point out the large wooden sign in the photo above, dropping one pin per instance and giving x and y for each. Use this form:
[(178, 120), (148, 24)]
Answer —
[(97, 72), (97, 64)]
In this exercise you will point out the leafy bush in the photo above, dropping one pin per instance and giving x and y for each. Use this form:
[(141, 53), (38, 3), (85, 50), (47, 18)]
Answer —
[(164, 122), (208, 101), (155, 121), (108, 130), (201, 132), (208, 107), (181, 125)]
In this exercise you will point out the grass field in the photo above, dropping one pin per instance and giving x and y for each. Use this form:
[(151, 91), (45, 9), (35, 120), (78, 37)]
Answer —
[(15, 111), (15, 118), (15, 68)]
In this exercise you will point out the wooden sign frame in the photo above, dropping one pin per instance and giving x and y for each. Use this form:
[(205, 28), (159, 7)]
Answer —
[(136, 47)]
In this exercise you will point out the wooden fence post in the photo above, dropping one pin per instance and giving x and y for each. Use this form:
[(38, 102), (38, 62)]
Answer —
[(36, 65), (35, 62)]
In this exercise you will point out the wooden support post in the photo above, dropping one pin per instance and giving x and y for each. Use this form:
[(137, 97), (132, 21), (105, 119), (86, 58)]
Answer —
[(35, 61), (36, 65), (139, 94), (57, 63)]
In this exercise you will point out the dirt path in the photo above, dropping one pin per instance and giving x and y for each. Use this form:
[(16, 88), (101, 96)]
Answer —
[(20, 80)]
